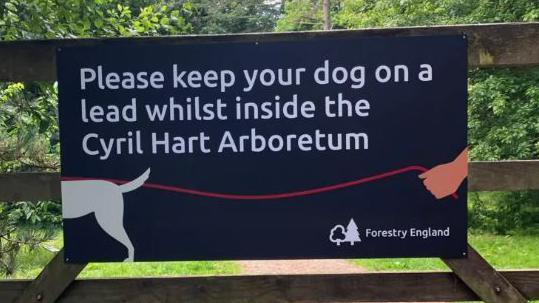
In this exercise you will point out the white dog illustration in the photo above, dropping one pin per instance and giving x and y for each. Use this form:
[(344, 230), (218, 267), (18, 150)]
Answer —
[(105, 200)]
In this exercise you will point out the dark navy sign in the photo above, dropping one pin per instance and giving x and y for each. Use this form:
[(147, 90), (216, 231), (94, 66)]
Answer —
[(334, 148)]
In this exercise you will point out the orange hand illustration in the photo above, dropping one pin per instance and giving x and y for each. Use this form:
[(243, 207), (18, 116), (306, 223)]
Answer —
[(445, 179)]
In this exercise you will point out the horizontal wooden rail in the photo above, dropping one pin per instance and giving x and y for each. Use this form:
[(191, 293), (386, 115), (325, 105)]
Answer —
[(379, 287), (502, 44), (484, 176), (504, 175)]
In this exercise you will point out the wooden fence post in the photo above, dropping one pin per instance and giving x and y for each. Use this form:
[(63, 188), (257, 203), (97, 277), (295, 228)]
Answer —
[(51, 282), (484, 280)]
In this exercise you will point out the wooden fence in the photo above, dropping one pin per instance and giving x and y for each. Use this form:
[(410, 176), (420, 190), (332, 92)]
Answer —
[(491, 45)]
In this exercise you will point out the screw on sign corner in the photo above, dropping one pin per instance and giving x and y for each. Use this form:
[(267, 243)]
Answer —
[(39, 297), (497, 289)]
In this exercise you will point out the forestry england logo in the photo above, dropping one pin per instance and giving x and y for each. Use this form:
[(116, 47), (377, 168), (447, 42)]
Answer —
[(350, 234)]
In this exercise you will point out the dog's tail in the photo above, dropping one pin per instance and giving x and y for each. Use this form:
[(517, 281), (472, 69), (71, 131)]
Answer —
[(138, 182)]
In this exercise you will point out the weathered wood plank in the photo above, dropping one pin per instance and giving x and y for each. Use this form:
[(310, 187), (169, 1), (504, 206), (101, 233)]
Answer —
[(484, 176), (30, 187), (484, 280), (502, 44), (379, 287), (504, 175), (51, 282)]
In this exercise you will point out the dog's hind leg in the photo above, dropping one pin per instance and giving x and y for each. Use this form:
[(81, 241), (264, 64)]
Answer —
[(111, 221)]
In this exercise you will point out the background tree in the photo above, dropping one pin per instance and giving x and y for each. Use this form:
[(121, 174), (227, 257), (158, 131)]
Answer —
[(302, 15), (233, 16), (41, 19), (326, 8), (390, 13)]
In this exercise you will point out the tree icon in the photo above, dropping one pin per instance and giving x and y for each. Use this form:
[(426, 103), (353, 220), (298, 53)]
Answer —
[(339, 234), (352, 234)]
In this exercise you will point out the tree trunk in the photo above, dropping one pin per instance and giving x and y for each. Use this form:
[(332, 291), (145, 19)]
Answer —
[(327, 18)]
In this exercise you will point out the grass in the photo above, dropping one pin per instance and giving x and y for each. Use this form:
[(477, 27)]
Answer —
[(30, 263), (503, 252)]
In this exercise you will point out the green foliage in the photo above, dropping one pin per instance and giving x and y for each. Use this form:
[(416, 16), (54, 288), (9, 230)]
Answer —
[(25, 225), (301, 15), (503, 123), (232, 16), (28, 141), (28, 127), (41, 19), (503, 114), (504, 213), (377, 13)]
